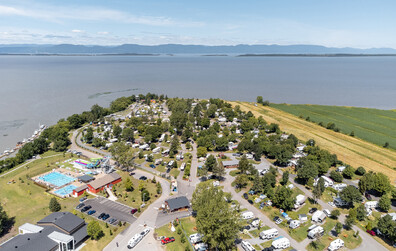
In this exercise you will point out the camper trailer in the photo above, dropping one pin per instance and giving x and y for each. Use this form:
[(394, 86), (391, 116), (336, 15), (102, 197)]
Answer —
[(247, 246), (281, 243), (269, 234), (315, 231), (247, 215), (336, 244)]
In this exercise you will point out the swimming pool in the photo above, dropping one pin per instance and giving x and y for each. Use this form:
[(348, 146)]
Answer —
[(65, 190), (57, 179)]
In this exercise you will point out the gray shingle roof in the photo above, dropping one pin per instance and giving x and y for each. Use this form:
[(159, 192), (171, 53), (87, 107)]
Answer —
[(64, 220), (85, 178), (177, 203)]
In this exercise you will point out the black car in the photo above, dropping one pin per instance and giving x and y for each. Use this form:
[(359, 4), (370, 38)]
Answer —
[(313, 210), (80, 205), (86, 208), (101, 216), (105, 217), (246, 196), (250, 201), (143, 178), (168, 170)]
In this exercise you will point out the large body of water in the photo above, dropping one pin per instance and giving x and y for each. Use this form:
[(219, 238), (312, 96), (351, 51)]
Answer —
[(42, 89)]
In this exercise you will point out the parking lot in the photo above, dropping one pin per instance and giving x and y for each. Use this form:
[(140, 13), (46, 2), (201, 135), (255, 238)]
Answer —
[(116, 210)]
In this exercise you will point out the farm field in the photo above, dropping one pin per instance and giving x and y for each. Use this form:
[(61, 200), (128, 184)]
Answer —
[(351, 150), (373, 125)]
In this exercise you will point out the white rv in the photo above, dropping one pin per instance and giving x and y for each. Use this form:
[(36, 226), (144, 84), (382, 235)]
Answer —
[(315, 231), (281, 243), (247, 215), (247, 246), (269, 234), (183, 165), (157, 150), (336, 244)]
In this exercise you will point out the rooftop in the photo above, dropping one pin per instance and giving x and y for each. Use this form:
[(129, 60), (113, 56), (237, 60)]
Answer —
[(107, 179), (177, 203)]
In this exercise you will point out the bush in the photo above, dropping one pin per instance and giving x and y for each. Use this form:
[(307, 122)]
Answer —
[(335, 214), (94, 230), (337, 177), (360, 171), (54, 205)]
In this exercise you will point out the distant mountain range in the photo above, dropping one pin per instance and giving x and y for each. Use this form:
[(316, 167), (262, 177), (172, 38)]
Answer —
[(186, 49)]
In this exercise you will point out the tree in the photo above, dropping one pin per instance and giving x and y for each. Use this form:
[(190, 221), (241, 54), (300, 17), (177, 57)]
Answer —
[(244, 165), (338, 228), (316, 193), (117, 130), (321, 184), (142, 185), (201, 151), (94, 230), (360, 171), (89, 135), (145, 195), (259, 99), (360, 212), (306, 169), (218, 170), (381, 183), (54, 205), (174, 145), (283, 198), (335, 214), (3, 220), (348, 172), (128, 184), (222, 229), (122, 153), (384, 203), (241, 180), (336, 176), (285, 178), (210, 163), (350, 194), (387, 227), (128, 135)]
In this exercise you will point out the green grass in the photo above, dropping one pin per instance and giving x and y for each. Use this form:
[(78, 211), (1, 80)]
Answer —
[(188, 225), (27, 202), (373, 125)]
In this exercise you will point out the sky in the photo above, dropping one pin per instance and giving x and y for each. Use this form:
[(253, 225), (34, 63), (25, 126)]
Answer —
[(335, 23)]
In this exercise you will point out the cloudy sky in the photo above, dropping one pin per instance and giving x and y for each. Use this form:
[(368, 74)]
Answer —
[(335, 23)]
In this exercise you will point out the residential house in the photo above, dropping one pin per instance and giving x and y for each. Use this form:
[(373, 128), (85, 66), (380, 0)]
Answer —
[(177, 204)]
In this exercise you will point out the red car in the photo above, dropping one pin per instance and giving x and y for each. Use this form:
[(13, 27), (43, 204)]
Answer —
[(167, 240), (371, 232), (134, 210)]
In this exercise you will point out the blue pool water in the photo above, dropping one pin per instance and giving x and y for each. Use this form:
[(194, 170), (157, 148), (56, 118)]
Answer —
[(57, 179), (66, 190)]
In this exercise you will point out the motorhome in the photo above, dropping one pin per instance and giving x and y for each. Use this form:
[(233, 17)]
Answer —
[(269, 234), (247, 246), (247, 215)]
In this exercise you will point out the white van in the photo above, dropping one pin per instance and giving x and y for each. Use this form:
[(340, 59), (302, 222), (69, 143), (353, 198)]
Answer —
[(269, 234), (247, 246)]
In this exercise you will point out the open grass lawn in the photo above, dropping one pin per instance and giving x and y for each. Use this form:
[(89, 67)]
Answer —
[(373, 125), (351, 150), (27, 202), (234, 173), (177, 245), (134, 198)]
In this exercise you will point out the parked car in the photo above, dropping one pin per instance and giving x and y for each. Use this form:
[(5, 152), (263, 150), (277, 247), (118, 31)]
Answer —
[(80, 205), (152, 166), (167, 240), (250, 201), (112, 220), (91, 212), (278, 220), (262, 204), (86, 208), (101, 216), (371, 232), (133, 211), (83, 199), (168, 170), (245, 195), (105, 217), (143, 178), (313, 210)]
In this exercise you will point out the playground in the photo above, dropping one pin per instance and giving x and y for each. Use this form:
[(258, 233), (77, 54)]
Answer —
[(99, 164)]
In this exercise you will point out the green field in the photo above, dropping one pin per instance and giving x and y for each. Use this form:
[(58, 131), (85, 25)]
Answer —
[(373, 125)]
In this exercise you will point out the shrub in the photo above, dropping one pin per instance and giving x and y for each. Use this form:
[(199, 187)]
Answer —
[(360, 171)]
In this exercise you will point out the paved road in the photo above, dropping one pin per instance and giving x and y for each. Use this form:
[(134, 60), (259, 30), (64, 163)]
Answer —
[(258, 213)]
